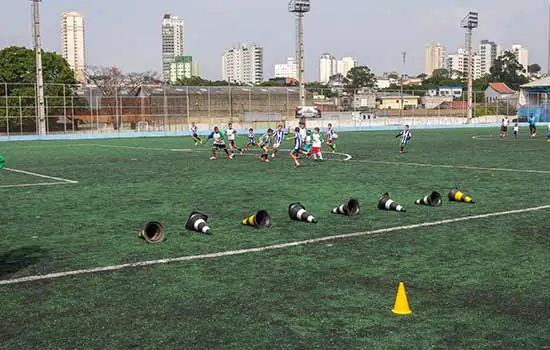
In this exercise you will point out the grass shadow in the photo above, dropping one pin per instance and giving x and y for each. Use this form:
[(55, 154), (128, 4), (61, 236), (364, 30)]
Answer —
[(14, 260)]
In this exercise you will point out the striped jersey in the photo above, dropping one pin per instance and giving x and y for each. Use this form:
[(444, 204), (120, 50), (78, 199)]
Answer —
[(194, 129), (251, 138), (298, 141), (265, 140), (405, 136), (279, 136), (330, 134)]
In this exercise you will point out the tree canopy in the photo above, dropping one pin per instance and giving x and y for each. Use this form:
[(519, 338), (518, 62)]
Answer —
[(508, 70), (359, 77), (534, 68)]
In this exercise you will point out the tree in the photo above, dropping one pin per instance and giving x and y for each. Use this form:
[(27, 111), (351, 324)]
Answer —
[(534, 68), (18, 82), (508, 70), (108, 80), (359, 77), (422, 76)]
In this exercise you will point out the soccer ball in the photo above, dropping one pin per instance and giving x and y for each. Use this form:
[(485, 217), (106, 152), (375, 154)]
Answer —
[(335, 136)]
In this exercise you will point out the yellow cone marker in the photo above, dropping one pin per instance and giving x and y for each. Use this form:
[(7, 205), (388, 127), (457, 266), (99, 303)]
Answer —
[(401, 306)]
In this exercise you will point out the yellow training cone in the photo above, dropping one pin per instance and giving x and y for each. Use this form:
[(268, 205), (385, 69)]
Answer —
[(401, 306)]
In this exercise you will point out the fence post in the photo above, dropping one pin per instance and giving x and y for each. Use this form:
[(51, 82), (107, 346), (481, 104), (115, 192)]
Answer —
[(91, 107), (64, 110), (7, 110), (20, 116), (72, 112), (187, 98), (165, 107)]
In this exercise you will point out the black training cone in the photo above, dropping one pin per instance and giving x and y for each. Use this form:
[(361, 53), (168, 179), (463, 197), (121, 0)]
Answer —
[(350, 208), (151, 232), (197, 222), (455, 195), (259, 220), (386, 203), (297, 211), (433, 200)]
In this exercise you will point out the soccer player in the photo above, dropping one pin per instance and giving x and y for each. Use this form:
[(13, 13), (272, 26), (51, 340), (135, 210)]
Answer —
[(516, 131), (279, 137), (405, 135), (265, 142), (195, 135), (251, 140), (317, 142), (308, 142), (303, 129), (295, 152), (504, 127), (231, 136), (219, 143), (331, 135), (548, 134), (532, 125)]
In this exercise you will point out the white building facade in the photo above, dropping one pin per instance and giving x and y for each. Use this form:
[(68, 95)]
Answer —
[(434, 58), (243, 64), (287, 70), (173, 41), (73, 44), (522, 55), (344, 65), (182, 68), (489, 51), (457, 64), (327, 67)]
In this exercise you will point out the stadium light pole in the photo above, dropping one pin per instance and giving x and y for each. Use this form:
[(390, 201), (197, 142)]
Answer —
[(41, 113), (470, 22), (299, 8)]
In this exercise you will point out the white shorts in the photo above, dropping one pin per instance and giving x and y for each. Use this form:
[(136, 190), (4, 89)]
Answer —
[(276, 145)]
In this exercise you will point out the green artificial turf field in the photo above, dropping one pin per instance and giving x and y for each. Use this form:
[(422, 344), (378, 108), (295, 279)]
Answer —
[(478, 282)]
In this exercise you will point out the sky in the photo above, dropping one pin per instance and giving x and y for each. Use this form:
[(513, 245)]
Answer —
[(127, 33)]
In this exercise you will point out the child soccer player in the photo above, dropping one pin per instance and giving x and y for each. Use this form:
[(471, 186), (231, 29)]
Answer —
[(231, 136), (548, 134), (195, 135), (532, 125), (405, 135), (251, 140), (317, 142), (279, 137), (330, 138), (504, 127), (219, 143), (516, 131), (295, 153), (265, 141), (308, 142)]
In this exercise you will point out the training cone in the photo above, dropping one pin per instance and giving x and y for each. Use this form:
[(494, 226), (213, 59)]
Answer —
[(455, 195), (433, 200), (298, 212), (401, 306), (197, 222), (350, 208), (259, 220), (2, 161), (386, 203), (151, 232)]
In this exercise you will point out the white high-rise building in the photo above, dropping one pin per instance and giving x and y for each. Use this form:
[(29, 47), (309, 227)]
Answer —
[(73, 44), (522, 55), (287, 70), (327, 67), (243, 64), (172, 42), (457, 64), (489, 51), (434, 58), (182, 68), (344, 65)]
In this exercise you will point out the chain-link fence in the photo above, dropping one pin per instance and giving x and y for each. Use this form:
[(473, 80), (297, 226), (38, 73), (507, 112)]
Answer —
[(76, 109)]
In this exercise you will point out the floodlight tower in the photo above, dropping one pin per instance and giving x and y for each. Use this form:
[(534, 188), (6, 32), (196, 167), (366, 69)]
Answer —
[(41, 113), (299, 8), (470, 22)]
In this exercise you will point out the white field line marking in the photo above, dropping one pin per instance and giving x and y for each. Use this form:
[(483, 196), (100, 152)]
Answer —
[(264, 248), (126, 147), (40, 175), (37, 184)]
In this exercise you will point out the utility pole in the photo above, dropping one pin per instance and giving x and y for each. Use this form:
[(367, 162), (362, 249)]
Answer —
[(404, 54), (299, 8), (548, 68), (41, 113), (470, 22)]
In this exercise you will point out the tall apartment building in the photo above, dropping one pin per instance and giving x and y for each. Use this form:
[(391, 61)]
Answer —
[(182, 68), (73, 44), (344, 65), (287, 70), (457, 64), (522, 55), (172, 42), (434, 58), (243, 64), (489, 51), (327, 67)]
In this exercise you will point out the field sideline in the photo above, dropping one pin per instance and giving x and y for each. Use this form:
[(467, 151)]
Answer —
[(74, 274)]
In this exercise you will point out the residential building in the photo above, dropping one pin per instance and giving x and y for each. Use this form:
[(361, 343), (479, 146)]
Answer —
[(344, 65), (522, 55), (181, 68), (457, 63), (489, 51), (172, 42), (243, 64), (287, 70), (434, 58), (498, 92), (327, 67), (394, 102), (73, 44), (447, 91)]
